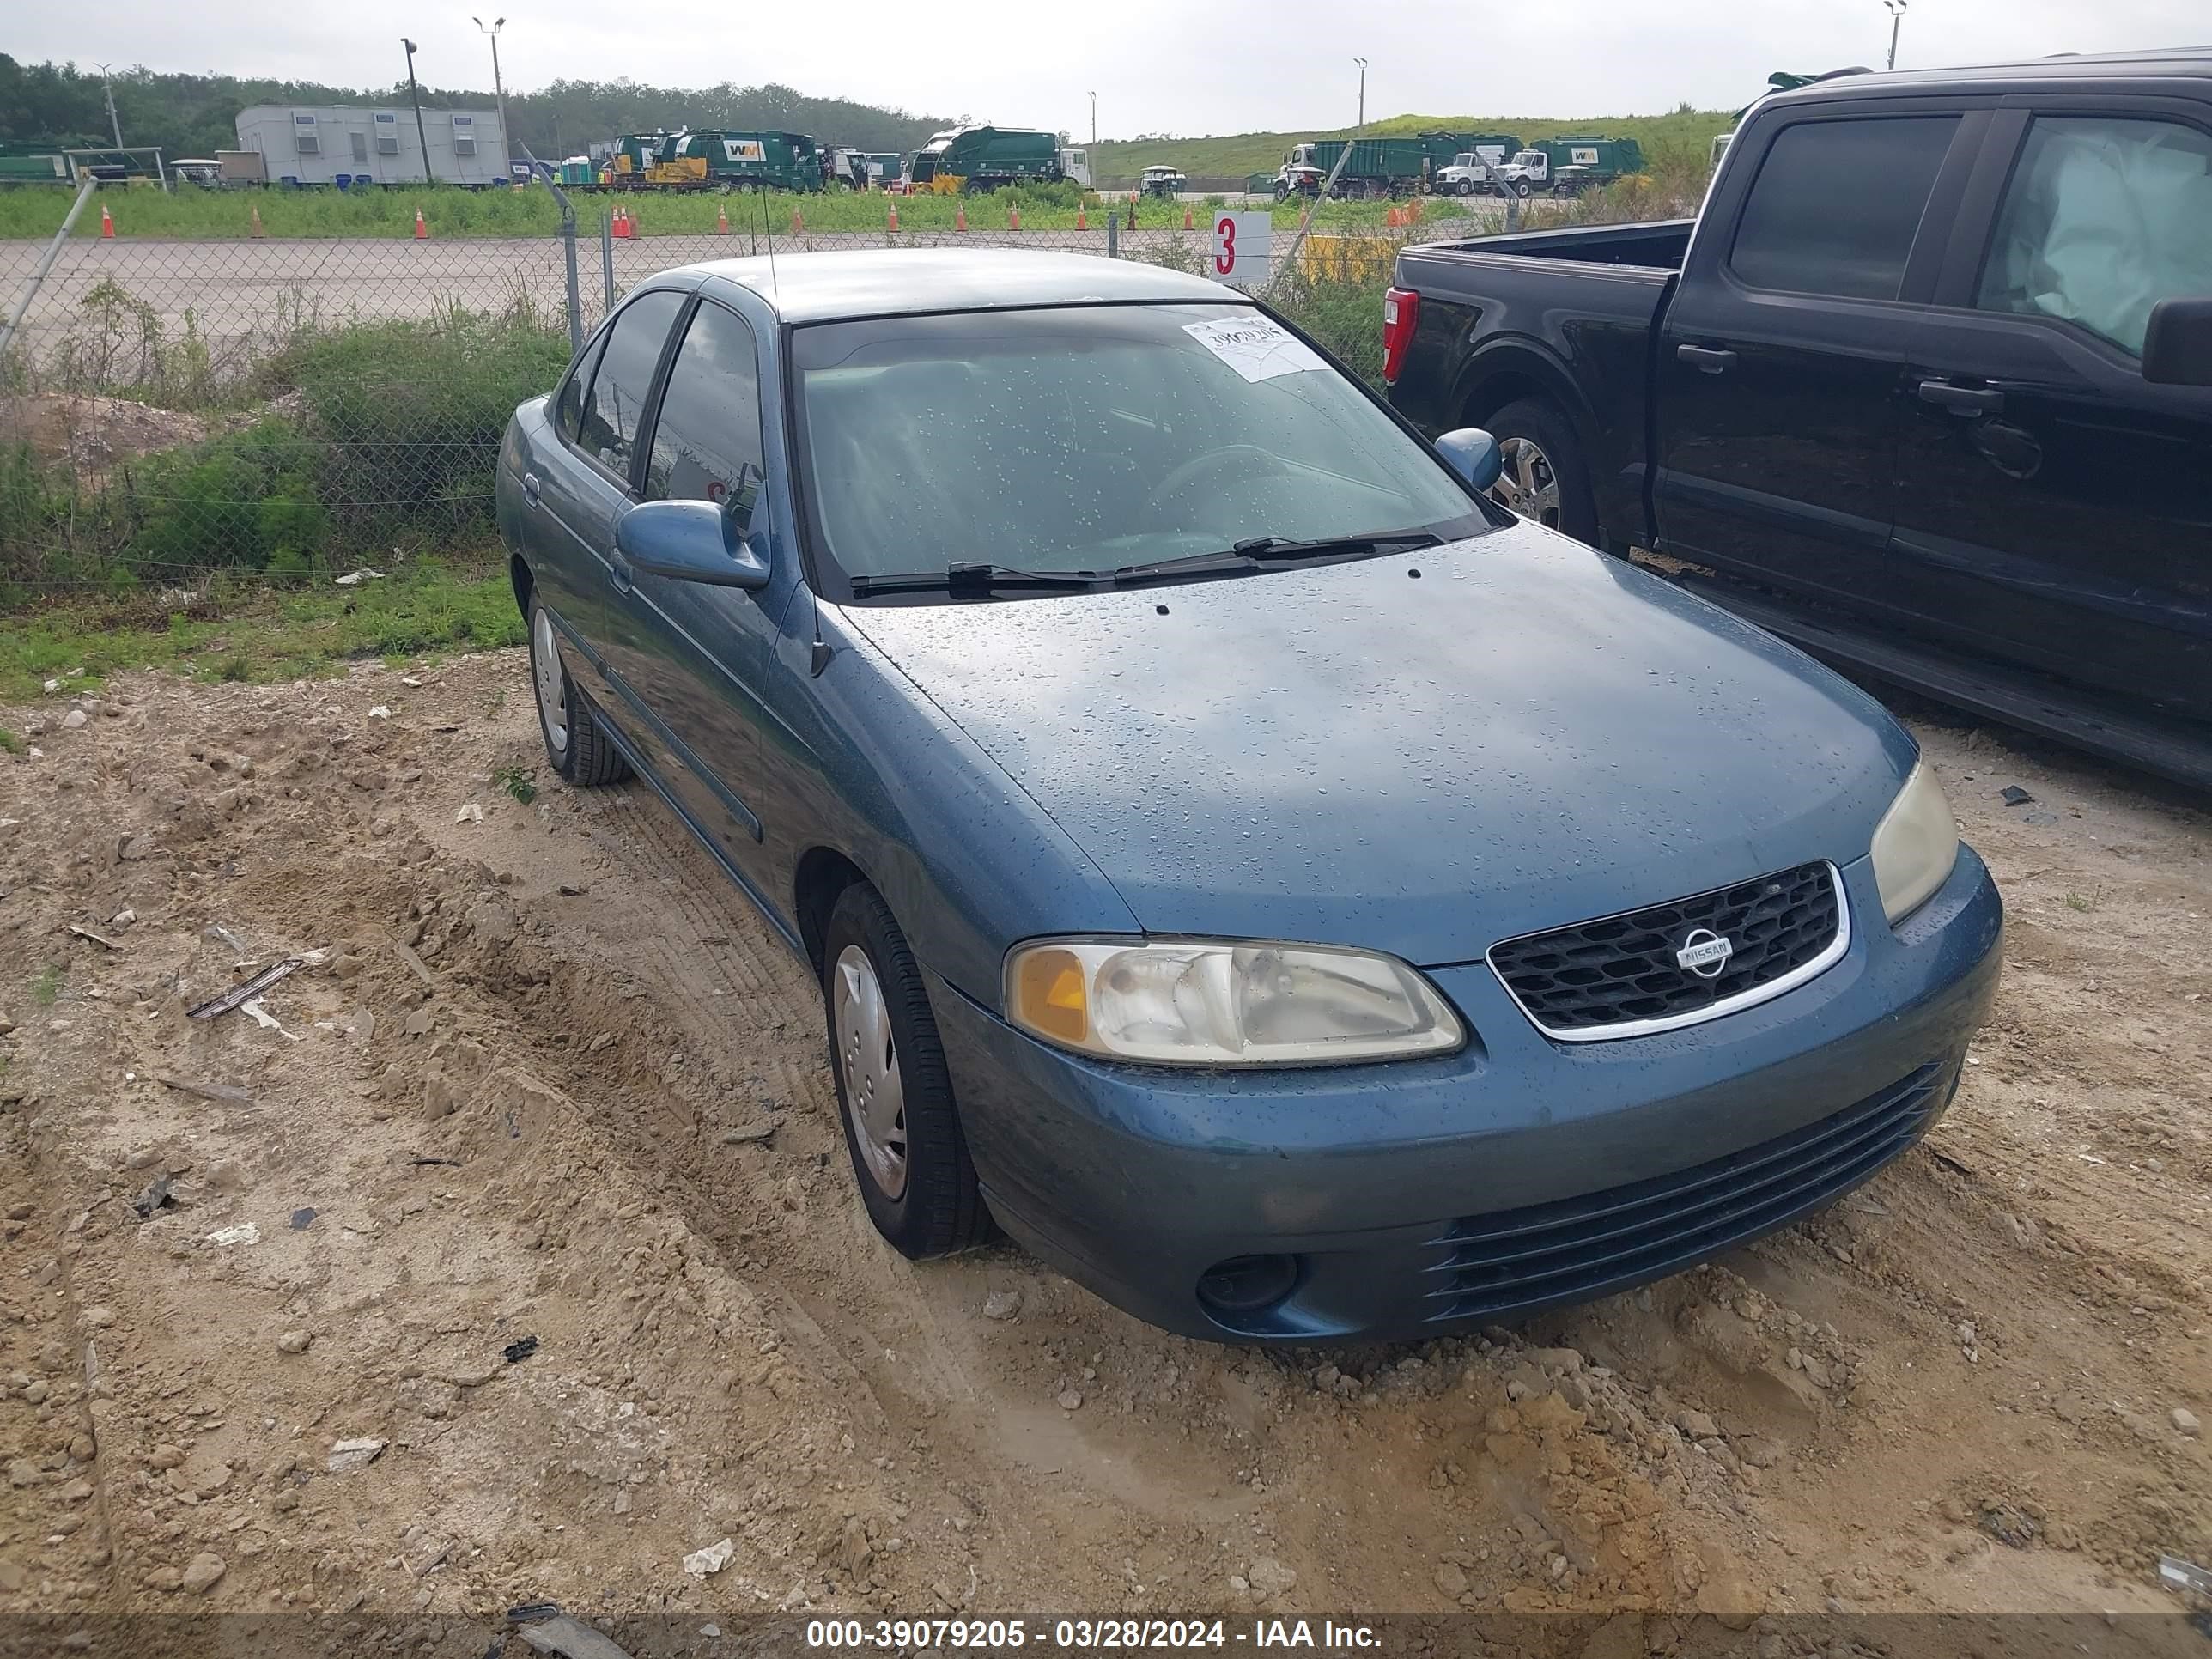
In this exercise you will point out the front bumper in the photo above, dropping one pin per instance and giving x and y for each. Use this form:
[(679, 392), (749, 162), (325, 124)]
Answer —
[(1427, 1196)]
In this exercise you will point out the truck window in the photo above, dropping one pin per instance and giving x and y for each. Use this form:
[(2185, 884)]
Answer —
[(1836, 204), (2103, 219)]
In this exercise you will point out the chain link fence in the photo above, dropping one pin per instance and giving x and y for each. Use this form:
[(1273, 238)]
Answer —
[(266, 410)]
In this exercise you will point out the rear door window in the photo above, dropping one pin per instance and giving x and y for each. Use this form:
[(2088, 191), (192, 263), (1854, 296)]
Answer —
[(576, 389), (612, 412), (2104, 218), (1836, 204)]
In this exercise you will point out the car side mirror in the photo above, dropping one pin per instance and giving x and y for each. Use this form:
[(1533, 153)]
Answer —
[(2177, 345), (1472, 453), (689, 542)]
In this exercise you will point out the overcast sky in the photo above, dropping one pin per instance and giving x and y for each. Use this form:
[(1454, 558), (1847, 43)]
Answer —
[(1158, 65)]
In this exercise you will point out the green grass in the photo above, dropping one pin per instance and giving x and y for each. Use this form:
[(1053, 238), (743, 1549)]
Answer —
[(46, 988), (1680, 135), (205, 215), (9, 742), (255, 633)]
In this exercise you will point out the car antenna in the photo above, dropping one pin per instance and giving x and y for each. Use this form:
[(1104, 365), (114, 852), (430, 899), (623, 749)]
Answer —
[(768, 232)]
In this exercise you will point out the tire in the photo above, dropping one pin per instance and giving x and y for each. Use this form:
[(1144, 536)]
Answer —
[(1520, 189), (912, 1168), (1539, 443), (575, 737), (1466, 187)]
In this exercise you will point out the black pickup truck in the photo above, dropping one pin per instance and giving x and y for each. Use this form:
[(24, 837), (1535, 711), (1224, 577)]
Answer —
[(1926, 387)]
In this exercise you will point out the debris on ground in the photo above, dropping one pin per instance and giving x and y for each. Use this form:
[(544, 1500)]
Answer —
[(355, 578), (1002, 1304), (303, 1220), (748, 1132), (87, 933), (471, 813), (228, 1092), (559, 1633), (244, 1233), (2013, 795), (157, 1196), (240, 994), (702, 1564), (516, 1352), (348, 1455)]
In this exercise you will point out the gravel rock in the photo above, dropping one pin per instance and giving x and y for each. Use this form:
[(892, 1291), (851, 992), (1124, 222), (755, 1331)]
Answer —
[(1561, 1361), (1070, 1401), (205, 1572), (1698, 1425), (1002, 1304), (294, 1342), (99, 1317), (2185, 1421), (22, 1472), (74, 718), (1451, 1581), (1270, 1577)]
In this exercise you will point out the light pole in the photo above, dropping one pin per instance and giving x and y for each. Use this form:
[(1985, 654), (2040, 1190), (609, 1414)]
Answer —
[(415, 93), (498, 87), (1896, 17), (1094, 120), (1362, 62), (114, 123)]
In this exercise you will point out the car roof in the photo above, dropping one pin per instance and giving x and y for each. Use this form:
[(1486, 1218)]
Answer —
[(827, 287), (2063, 71)]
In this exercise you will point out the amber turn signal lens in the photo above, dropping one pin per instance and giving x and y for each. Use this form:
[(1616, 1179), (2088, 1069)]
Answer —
[(1048, 996)]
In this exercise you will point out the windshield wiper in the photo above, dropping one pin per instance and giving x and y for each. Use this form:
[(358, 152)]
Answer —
[(1250, 554), (970, 579)]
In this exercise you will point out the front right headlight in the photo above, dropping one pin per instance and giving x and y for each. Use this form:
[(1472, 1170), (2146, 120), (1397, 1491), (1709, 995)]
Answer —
[(1225, 1002), (1915, 845)]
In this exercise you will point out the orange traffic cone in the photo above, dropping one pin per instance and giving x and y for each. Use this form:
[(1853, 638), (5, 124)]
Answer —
[(1081, 222), (107, 224), (1013, 217), (797, 224), (721, 221), (620, 230), (1188, 223), (1390, 218), (422, 228), (894, 218), (256, 231), (959, 216), (629, 220)]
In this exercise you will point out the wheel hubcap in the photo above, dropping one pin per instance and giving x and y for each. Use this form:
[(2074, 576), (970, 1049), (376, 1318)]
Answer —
[(1527, 485), (552, 684), (875, 1098)]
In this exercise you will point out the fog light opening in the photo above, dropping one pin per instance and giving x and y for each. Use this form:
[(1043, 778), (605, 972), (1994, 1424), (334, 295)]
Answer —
[(1247, 1284)]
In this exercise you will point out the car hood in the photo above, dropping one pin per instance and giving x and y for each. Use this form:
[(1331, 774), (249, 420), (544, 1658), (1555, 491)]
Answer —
[(1523, 734)]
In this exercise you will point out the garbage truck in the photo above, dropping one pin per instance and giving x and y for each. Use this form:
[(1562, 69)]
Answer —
[(981, 158), (1377, 167), (1565, 166)]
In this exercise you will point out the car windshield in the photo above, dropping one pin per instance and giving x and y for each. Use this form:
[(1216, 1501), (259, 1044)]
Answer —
[(1094, 439)]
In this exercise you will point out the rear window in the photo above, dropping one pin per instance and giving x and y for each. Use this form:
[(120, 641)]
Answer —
[(1836, 204)]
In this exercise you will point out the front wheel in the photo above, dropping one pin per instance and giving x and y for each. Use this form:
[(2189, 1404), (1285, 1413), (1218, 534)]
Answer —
[(894, 1091), (1545, 477)]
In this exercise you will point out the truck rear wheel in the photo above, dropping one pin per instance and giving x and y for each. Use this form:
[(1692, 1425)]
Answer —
[(1545, 478)]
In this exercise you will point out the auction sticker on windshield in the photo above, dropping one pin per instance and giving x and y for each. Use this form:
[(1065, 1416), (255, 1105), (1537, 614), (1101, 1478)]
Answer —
[(1257, 348)]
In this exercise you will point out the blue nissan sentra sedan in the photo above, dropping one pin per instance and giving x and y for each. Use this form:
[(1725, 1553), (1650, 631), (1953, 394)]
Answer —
[(1284, 891)]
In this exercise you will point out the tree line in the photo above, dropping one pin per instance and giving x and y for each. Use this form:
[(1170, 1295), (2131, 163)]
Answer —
[(197, 115)]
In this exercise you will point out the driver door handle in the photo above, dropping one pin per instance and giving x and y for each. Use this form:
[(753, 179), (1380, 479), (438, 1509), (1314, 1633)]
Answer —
[(1962, 400), (1709, 360), (618, 573), (530, 489)]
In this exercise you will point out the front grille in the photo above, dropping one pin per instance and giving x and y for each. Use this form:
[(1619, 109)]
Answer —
[(1619, 974), (1514, 1260)]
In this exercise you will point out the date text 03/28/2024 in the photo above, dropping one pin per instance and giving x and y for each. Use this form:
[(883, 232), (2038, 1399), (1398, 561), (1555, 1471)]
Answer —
[(984, 1635)]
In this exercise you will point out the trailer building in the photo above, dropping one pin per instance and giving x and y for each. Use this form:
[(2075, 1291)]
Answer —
[(317, 146)]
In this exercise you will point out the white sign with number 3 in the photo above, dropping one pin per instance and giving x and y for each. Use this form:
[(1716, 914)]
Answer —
[(1241, 248)]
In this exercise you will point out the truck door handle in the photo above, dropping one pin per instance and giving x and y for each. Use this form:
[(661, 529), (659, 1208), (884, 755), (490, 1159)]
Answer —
[(1710, 360), (530, 488), (1962, 400)]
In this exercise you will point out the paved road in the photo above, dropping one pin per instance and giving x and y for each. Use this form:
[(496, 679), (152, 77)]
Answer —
[(242, 297)]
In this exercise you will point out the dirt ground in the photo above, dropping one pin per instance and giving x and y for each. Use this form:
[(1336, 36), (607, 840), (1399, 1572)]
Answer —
[(548, 1078)]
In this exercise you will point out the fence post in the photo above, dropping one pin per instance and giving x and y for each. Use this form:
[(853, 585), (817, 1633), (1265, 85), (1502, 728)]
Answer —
[(1114, 235), (1512, 210), (569, 248), (46, 262), (607, 255)]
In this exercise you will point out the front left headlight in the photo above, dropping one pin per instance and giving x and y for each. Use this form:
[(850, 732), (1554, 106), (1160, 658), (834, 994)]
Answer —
[(1225, 1002), (1915, 845)]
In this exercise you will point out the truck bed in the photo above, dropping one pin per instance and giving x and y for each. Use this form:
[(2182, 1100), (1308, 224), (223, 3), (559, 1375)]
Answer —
[(1502, 317)]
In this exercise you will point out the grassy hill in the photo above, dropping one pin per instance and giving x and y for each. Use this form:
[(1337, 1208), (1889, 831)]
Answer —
[(1683, 138)]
